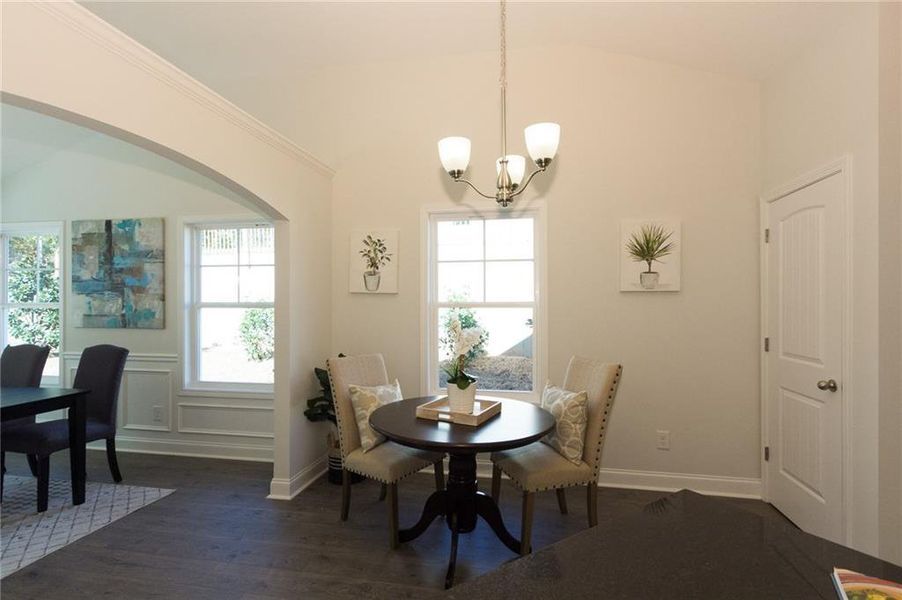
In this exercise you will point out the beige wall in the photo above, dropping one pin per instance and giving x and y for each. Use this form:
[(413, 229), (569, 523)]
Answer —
[(890, 143), (837, 99), (640, 139)]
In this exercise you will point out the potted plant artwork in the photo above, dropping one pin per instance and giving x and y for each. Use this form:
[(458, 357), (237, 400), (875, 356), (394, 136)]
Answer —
[(461, 386), (375, 255), (650, 244)]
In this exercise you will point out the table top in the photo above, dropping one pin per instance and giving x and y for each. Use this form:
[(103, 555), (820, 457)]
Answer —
[(682, 546), (519, 423), (17, 396)]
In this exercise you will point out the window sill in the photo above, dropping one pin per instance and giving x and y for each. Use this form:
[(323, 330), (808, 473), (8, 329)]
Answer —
[(226, 392)]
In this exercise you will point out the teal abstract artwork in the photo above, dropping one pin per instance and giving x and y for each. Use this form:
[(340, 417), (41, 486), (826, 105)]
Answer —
[(117, 273)]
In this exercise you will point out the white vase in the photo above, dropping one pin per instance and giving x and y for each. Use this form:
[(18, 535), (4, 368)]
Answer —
[(462, 401), (649, 280), (371, 280)]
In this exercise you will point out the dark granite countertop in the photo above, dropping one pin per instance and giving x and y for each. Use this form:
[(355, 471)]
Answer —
[(682, 546)]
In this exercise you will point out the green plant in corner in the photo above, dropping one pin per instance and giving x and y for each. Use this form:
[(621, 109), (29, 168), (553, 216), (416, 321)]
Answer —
[(650, 244), (322, 408)]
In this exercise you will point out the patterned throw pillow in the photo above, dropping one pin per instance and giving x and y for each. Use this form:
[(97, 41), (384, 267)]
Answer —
[(571, 415), (366, 399)]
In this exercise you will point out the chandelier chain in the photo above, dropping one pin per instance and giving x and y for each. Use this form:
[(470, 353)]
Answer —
[(454, 152), (503, 78)]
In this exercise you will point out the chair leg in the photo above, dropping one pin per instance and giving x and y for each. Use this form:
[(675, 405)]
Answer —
[(496, 483), (345, 493), (111, 458), (439, 468), (32, 464), (382, 491), (393, 515), (561, 500), (526, 525), (592, 502), (43, 482)]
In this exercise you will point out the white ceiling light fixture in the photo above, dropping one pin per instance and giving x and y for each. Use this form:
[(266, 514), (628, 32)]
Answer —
[(541, 141)]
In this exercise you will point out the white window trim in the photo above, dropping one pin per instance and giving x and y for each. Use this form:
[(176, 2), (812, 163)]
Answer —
[(428, 325), (39, 227), (189, 291)]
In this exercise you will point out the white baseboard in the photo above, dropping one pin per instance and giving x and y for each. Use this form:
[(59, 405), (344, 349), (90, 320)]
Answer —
[(189, 448), (710, 485), (287, 489)]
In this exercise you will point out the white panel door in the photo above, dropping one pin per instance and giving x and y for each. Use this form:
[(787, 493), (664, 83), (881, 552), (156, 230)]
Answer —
[(804, 361)]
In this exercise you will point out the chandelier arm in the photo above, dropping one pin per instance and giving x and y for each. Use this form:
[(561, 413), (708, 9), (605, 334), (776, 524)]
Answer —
[(476, 189), (522, 188)]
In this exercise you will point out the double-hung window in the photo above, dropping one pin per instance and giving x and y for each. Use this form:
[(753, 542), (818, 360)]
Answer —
[(483, 271), (30, 299), (230, 318)]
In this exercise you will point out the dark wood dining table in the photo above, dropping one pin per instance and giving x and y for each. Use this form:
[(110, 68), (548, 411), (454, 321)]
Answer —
[(518, 424), (16, 403)]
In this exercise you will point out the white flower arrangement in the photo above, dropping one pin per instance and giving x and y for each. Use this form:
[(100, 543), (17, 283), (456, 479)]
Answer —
[(463, 341)]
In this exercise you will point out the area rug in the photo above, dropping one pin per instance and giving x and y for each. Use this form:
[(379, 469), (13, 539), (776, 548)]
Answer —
[(26, 535)]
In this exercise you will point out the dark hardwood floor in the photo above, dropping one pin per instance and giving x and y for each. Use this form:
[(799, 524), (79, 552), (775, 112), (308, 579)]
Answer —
[(219, 537)]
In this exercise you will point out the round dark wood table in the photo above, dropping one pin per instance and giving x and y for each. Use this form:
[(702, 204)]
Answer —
[(518, 424)]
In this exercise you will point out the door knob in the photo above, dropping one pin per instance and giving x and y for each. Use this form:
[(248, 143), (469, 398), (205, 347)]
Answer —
[(829, 384)]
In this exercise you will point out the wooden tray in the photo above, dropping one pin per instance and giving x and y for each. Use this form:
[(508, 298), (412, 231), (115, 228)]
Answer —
[(439, 410)]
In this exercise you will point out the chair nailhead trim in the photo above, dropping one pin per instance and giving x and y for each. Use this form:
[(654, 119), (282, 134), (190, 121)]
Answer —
[(597, 470), (381, 480), (341, 441)]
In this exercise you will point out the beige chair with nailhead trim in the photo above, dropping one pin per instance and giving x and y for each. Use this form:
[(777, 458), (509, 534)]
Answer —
[(539, 467), (388, 462)]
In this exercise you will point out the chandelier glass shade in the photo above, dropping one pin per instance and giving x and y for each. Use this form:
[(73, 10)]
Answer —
[(542, 141)]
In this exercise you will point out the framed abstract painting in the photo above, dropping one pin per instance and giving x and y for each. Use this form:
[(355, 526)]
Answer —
[(117, 274)]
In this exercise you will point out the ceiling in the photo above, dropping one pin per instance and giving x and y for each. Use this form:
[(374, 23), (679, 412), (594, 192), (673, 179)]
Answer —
[(248, 51), (218, 40), (260, 54), (29, 138)]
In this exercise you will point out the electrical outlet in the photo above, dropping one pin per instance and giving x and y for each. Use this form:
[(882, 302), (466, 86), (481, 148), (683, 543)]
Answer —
[(663, 439), (157, 414)]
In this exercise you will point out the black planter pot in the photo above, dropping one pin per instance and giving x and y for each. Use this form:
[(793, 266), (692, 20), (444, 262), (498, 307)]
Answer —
[(335, 468)]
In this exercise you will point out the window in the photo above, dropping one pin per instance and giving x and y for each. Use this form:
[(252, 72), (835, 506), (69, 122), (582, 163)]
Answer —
[(230, 306), (30, 290), (483, 271)]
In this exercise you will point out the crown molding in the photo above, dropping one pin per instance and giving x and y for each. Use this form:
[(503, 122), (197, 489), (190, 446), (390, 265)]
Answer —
[(86, 23)]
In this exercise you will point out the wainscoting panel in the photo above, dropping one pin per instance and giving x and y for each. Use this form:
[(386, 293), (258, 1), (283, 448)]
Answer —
[(156, 417), (220, 419), (145, 398)]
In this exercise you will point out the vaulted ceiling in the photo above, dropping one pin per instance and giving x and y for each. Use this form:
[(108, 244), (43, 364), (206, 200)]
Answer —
[(221, 40), (259, 53)]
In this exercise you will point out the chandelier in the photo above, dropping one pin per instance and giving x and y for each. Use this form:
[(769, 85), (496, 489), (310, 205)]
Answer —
[(541, 143)]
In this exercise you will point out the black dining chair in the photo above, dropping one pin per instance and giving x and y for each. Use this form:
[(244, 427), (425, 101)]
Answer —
[(21, 366), (100, 371)]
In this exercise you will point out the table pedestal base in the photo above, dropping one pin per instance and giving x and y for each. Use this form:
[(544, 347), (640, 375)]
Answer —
[(461, 503)]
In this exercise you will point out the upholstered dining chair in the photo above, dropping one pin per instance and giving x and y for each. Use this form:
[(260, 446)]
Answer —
[(387, 463), (100, 371), (22, 366), (539, 467)]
